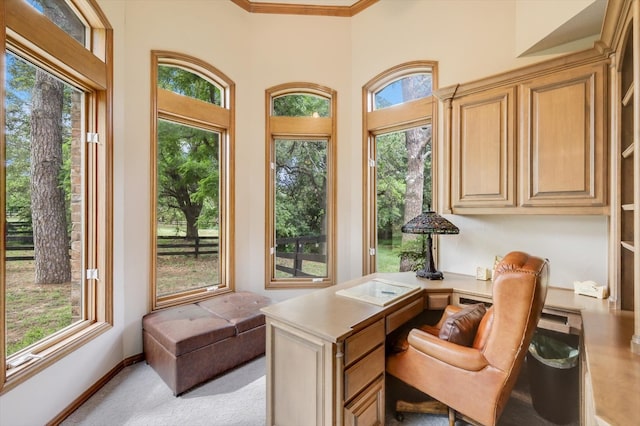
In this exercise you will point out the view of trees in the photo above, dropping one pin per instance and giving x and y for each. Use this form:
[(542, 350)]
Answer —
[(189, 84), (38, 146), (301, 190), (187, 163), (43, 192), (38, 143), (188, 176), (38, 180), (403, 165)]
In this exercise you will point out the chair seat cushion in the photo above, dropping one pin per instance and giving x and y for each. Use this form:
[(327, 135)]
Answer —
[(461, 327)]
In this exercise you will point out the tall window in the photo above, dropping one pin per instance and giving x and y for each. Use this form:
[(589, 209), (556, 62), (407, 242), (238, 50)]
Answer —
[(191, 176), (398, 129), (300, 185), (55, 265)]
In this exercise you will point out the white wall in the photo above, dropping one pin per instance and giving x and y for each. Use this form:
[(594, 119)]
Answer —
[(469, 39), (535, 22)]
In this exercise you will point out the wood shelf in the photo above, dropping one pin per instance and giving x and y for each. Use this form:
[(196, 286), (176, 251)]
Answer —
[(628, 96), (629, 151), (628, 245)]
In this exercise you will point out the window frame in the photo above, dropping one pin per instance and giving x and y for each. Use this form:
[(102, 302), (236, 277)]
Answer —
[(29, 34), (170, 106), (302, 128), (418, 112)]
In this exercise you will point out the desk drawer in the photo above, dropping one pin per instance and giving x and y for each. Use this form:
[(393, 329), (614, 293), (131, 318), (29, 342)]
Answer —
[(359, 344), (404, 314), (368, 408), (365, 371)]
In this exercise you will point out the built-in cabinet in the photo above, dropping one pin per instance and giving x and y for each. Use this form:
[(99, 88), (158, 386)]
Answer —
[(562, 139), (532, 141), (626, 152), (557, 137), (622, 32), (483, 150)]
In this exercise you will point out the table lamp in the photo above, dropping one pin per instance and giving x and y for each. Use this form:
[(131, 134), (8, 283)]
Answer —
[(429, 223)]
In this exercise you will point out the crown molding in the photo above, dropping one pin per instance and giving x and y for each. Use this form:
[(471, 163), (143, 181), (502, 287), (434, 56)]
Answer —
[(304, 9)]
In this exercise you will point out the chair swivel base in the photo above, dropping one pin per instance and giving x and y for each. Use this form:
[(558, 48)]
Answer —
[(424, 407)]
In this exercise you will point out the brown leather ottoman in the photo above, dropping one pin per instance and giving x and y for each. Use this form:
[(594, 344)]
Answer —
[(190, 344)]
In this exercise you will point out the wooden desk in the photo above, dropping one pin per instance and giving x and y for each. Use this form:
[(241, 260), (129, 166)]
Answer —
[(325, 353), (326, 357)]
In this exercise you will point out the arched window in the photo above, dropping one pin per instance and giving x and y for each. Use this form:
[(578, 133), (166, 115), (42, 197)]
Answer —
[(398, 127), (55, 265), (300, 185), (191, 166)]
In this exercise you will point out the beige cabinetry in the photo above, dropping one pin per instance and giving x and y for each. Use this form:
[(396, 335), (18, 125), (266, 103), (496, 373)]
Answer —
[(364, 376), (626, 203), (533, 140), (326, 358), (563, 138), (483, 149), (622, 32)]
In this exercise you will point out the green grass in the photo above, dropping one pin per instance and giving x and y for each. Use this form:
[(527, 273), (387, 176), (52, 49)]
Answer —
[(389, 251), (388, 254), (33, 311), (38, 327), (168, 230)]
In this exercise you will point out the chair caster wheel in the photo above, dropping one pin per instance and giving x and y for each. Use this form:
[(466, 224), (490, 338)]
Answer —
[(400, 417)]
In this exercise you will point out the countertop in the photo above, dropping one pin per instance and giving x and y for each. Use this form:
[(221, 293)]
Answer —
[(614, 370)]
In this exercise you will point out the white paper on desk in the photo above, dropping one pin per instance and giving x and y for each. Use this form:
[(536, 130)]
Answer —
[(379, 291)]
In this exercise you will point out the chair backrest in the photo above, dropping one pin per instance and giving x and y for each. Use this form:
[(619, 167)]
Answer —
[(519, 292)]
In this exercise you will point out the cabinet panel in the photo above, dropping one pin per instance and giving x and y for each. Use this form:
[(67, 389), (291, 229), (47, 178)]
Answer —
[(483, 151), (362, 342), (563, 138), (365, 371), (403, 315), (299, 366), (367, 409)]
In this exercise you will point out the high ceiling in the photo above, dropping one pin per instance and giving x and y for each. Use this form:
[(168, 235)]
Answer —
[(584, 24)]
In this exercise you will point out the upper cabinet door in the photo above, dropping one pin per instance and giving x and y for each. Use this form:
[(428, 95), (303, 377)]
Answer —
[(483, 149), (563, 139)]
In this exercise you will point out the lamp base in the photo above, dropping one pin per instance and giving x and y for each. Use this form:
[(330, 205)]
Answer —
[(432, 275)]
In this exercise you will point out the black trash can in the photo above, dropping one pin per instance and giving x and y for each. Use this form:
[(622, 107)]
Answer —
[(552, 366)]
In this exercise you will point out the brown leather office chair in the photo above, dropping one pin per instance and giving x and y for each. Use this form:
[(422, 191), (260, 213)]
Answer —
[(474, 379)]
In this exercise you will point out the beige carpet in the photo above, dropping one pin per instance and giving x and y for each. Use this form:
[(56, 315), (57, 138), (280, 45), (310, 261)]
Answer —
[(138, 397)]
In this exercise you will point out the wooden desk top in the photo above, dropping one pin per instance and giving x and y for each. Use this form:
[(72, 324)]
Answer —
[(614, 369)]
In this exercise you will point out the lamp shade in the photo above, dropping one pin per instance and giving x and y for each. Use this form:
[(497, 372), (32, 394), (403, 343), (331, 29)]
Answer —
[(429, 223)]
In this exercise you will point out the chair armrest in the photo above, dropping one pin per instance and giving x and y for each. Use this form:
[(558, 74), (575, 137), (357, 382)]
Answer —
[(469, 359)]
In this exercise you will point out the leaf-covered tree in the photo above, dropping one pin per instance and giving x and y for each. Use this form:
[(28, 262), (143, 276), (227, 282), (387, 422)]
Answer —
[(188, 84), (403, 166), (301, 171), (188, 173), (301, 183), (391, 182), (18, 138)]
